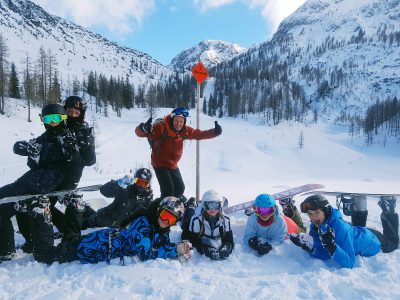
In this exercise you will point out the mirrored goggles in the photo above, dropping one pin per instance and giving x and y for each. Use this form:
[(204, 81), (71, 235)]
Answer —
[(166, 215), (143, 183), (264, 211), (180, 111), (55, 118), (215, 205)]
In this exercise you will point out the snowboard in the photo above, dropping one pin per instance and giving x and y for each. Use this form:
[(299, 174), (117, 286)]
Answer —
[(89, 188), (284, 194), (351, 194)]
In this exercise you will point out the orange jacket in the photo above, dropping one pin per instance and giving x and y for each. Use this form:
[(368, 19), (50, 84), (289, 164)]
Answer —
[(167, 148)]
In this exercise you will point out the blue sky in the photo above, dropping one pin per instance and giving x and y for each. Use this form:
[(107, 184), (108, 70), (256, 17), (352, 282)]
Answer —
[(163, 28)]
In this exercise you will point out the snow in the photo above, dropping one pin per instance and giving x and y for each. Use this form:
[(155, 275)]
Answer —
[(247, 159)]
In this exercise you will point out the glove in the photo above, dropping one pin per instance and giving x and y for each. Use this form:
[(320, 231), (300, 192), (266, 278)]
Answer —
[(253, 243), (264, 248), (217, 129), (146, 127), (67, 141), (224, 251), (125, 181), (212, 253), (300, 242), (85, 138), (33, 149), (183, 249), (327, 237)]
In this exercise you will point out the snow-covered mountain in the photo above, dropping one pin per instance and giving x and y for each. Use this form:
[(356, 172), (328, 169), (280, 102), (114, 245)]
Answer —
[(343, 53), (211, 52), (26, 27)]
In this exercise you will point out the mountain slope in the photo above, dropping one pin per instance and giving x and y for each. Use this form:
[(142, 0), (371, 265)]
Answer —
[(26, 27), (211, 52)]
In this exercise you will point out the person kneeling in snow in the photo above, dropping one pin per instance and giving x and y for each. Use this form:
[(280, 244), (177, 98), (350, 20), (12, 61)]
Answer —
[(146, 236), (209, 229), (266, 227), (335, 238)]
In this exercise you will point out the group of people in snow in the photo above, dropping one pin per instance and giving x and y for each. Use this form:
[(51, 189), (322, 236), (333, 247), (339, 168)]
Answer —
[(136, 224)]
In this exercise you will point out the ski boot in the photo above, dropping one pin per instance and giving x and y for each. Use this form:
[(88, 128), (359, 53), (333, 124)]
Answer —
[(287, 207), (34, 206), (74, 200), (387, 204)]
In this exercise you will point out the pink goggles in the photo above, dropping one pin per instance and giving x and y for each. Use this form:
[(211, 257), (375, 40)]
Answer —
[(264, 211)]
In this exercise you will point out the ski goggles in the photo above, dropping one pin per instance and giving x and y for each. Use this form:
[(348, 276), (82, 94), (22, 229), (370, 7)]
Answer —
[(166, 215), (180, 111), (264, 211), (55, 118), (215, 205), (143, 183)]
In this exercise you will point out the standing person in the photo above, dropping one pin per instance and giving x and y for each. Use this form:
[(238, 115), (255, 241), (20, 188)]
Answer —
[(48, 158), (146, 236), (167, 139), (209, 229), (266, 227), (335, 238), (85, 156)]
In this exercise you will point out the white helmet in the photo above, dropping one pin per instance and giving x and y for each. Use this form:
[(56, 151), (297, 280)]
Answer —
[(212, 196)]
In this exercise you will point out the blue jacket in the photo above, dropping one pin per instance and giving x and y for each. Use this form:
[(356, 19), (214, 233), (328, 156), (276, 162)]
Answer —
[(139, 238), (274, 234), (350, 241)]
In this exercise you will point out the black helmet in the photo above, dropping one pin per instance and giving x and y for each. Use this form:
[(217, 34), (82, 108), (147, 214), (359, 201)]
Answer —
[(315, 202), (78, 103), (52, 109), (143, 173)]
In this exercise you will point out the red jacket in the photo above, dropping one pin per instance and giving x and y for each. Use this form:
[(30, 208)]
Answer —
[(167, 147)]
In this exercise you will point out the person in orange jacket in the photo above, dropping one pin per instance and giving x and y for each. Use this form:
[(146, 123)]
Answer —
[(166, 138)]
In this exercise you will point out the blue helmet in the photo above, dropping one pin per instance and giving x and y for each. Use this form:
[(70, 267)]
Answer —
[(264, 200)]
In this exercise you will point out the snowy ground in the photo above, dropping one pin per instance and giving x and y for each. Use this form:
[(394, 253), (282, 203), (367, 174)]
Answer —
[(246, 160)]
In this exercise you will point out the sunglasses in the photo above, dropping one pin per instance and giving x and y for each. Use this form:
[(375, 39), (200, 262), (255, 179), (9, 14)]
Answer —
[(166, 215), (212, 205), (264, 211), (143, 183), (181, 111), (55, 118)]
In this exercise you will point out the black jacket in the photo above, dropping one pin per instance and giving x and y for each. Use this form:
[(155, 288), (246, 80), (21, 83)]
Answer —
[(127, 203)]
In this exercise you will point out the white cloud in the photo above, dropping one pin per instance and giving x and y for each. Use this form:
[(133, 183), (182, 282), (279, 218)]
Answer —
[(273, 11), (117, 15)]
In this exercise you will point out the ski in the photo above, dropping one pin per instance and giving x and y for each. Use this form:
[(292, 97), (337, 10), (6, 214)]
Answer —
[(89, 188), (285, 194), (350, 194)]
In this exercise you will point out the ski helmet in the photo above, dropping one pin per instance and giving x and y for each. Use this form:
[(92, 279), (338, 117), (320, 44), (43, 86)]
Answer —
[(264, 200), (180, 111), (212, 196), (173, 205), (315, 202), (143, 173), (53, 109), (77, 103)]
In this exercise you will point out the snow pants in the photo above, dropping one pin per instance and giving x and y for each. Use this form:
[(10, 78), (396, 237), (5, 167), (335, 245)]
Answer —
[(390, 237), (171, 182)]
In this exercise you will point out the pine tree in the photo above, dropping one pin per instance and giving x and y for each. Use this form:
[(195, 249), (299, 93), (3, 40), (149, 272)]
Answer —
[(3, 65), (14, 83)]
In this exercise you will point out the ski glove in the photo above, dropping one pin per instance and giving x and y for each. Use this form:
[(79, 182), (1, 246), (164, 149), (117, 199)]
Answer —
[(33, 149), (264, 248), (125, 181), (327, 237), (146, 127), (298, 240), (183, 249), (68, 143), (212, 253), (217, 129), (225, 251), (85, 138), (253, 243)]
